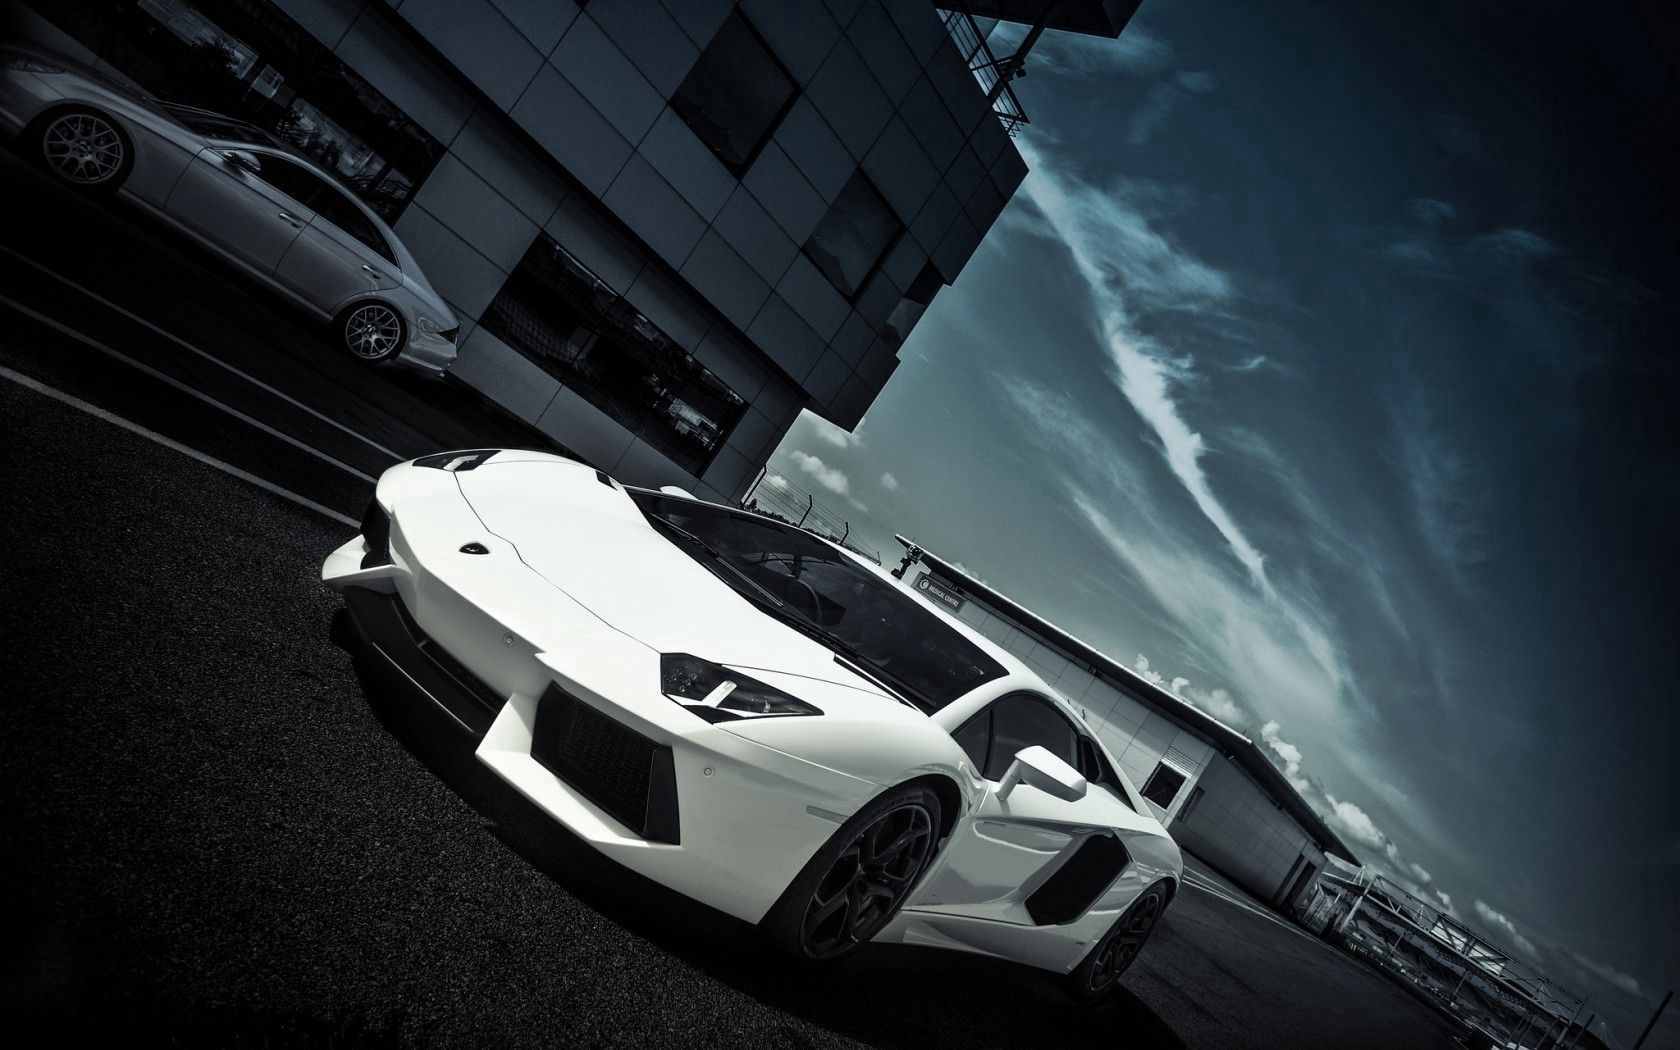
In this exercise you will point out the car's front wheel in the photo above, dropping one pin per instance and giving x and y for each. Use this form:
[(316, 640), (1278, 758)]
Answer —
[(860, 878), (371, 331), (83, 148), (1098, 974)]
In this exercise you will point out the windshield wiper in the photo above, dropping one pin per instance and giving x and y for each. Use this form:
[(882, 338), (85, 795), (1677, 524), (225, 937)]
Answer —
[(716, 556)]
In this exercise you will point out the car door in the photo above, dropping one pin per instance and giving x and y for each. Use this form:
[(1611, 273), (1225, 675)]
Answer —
[(251, 205), (1009, 847), (341, 254)]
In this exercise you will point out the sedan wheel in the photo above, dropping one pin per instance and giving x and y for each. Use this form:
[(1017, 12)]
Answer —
[(372, 331), (84, 149)]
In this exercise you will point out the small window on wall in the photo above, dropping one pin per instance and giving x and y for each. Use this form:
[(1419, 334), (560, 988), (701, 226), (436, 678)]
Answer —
[(735, 95), (1162, 786), (852, 239), (556, 312), (251, 62)]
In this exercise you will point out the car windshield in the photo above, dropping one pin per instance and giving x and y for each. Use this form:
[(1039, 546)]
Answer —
[(864, 616)]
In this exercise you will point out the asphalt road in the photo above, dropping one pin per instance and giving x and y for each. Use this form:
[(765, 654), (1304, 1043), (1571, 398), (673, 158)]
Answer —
[(213, 835)]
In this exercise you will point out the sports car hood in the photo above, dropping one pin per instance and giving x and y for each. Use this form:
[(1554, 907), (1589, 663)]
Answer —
[(585, 536)]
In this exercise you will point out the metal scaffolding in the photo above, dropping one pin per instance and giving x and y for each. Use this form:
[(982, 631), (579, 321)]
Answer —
[(1508, 1001)]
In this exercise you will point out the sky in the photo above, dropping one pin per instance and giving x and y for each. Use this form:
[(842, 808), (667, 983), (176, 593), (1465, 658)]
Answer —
[(1322, 367)]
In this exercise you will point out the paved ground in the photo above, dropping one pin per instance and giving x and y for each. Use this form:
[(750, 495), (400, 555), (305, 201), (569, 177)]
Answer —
[(211, 834)]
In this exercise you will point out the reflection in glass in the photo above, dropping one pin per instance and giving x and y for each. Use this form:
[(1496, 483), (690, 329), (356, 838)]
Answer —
[(735, 95), (852, 238), (554, 310), (250, 61)]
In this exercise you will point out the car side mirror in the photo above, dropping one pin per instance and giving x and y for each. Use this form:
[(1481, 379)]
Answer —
[(244, 160), (1037, 766)]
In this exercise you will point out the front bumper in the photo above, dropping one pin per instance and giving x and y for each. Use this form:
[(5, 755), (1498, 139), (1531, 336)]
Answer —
[(427, 354), (726, 821), (23, 95)]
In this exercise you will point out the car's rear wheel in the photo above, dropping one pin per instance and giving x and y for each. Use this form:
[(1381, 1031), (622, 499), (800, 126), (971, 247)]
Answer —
[(371, 331), (1098, 974), (860, 878), (84, 148)]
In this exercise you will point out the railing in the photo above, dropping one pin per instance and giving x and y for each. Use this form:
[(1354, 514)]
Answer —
[(985, 66), (776, 497)]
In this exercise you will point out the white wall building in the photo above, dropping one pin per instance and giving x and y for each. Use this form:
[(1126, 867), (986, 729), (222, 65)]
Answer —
[(1214, 788)]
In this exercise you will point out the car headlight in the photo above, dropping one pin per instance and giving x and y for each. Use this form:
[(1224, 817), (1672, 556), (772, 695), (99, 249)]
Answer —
[(718, 694), (429, 326)]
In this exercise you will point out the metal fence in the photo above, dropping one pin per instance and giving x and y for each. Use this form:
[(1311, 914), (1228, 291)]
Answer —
[(776, 497), (1510, 1002)]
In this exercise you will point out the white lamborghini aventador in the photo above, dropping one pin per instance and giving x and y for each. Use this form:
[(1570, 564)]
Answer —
[(753, 716)]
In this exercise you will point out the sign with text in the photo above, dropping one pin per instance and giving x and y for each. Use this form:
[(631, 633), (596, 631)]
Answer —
[(939, 592)]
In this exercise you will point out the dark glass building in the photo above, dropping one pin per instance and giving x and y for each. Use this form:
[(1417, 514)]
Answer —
[(666, 225)]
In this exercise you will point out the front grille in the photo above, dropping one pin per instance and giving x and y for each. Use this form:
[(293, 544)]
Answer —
[(618, 769), (1082, 878)]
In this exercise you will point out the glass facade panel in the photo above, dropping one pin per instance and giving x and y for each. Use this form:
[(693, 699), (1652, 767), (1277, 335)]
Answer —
[(735, 95), (851, 240), (556, 312), (249, 60)]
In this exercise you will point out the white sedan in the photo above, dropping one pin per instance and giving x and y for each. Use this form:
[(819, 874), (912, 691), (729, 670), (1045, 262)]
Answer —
[(266, 209), (753, 716)]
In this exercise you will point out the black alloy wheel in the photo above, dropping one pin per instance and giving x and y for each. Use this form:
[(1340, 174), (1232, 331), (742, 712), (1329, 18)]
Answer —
[(857, 882), (1099, 974)]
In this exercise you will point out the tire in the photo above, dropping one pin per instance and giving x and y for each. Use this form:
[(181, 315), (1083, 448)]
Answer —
[(858, 895), (1098, 975), (82, 148), (371, 331)]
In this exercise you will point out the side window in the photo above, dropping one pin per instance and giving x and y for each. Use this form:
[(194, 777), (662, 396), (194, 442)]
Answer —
[(975, 737), (1162, 786), (337, 209), (294, 180), (1022, 720)]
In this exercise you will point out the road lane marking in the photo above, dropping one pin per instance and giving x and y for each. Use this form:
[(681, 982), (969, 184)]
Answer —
[(213, 359), (1206, 885), (87, 340), (151, 435)]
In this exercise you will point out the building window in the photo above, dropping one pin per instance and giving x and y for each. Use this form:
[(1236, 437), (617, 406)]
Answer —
[(735, 95), (852, 239), (556, 312), (251, 62), (911, 308), (1162, 786)]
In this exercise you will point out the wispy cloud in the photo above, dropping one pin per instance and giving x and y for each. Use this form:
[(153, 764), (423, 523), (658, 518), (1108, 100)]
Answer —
[(1123, 258), (1216, 702), (1609, 974), (828, 433), (1163, 101), (831, 478), (1507, 929), (1448, 495), (889, 482)]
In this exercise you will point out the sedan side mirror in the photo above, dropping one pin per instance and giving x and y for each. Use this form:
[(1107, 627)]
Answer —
[(244, 160), (1037, 766)]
